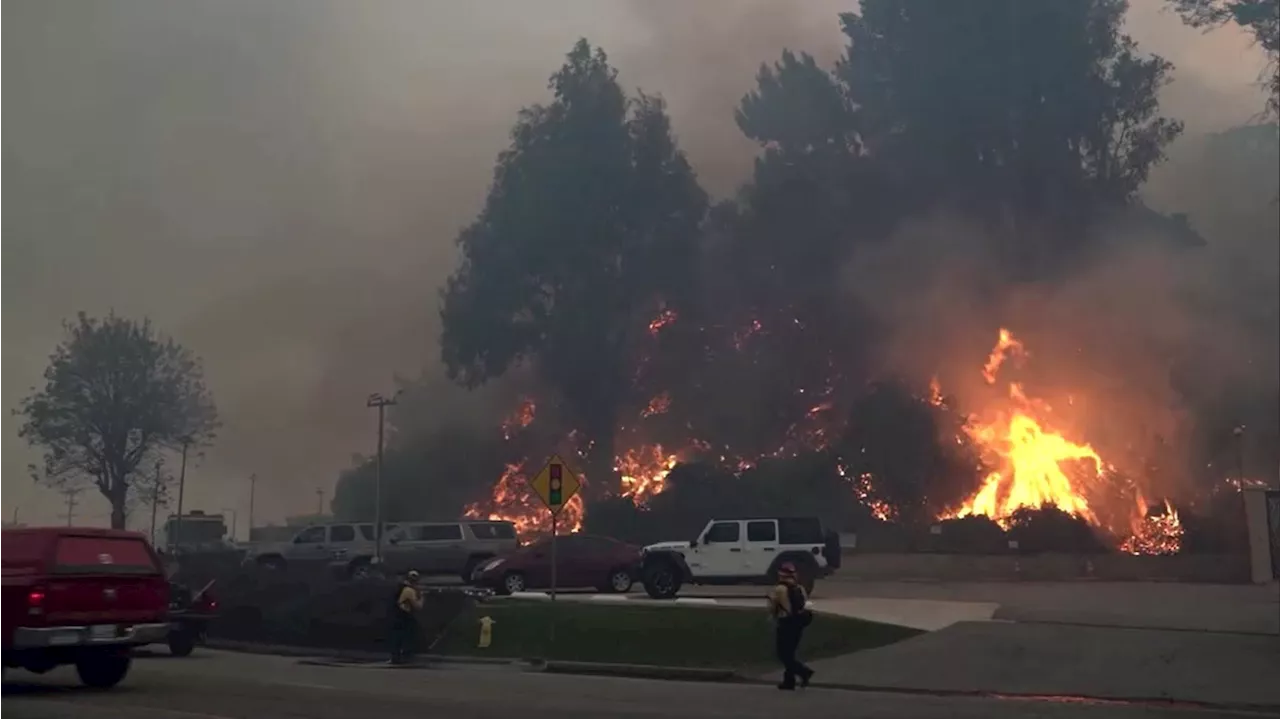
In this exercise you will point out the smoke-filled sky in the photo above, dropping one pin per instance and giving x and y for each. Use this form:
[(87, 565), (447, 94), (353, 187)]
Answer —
[(277, 183)]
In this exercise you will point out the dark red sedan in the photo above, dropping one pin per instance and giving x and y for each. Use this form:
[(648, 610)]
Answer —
[(582, 560)]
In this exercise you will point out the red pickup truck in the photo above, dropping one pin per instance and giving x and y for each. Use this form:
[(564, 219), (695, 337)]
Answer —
[(81, 596)]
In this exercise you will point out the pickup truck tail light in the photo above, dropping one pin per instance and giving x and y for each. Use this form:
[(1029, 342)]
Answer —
[(35, 601)]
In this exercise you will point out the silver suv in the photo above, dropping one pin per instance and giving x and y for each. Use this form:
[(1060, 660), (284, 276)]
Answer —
[(315, 544), (440, 548)]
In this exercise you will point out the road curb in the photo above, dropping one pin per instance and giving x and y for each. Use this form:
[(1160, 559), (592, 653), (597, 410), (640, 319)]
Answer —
[(641, 671), (1158, 702), (349, 656)]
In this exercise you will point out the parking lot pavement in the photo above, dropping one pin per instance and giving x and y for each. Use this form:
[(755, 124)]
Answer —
[(1250, 609), (213, 685), (1244, 608)]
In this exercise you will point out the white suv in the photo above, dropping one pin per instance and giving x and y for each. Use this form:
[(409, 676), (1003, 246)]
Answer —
[(741, 551)]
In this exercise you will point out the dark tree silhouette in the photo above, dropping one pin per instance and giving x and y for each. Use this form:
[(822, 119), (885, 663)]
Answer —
[(589, 228), (1259, 17), (116, 393)]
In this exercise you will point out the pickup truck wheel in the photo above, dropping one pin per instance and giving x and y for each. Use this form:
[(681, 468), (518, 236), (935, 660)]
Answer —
[(182, 642), (102, 670), (661, 580)]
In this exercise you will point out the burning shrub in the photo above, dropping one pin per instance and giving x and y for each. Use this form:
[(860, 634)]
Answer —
[(623, 519), (1049, 529), (970, 535), (894, 441)]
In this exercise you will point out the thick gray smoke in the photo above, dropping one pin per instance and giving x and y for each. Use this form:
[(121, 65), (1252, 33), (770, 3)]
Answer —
[(278, 184)]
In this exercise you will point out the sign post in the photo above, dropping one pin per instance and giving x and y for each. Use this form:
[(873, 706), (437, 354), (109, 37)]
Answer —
[(1273, 527), (555, 485)]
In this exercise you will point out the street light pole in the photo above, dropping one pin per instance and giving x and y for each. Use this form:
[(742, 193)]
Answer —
[(1239, 435), (253, 483), (377, 400), (182, 487), (155, 500)]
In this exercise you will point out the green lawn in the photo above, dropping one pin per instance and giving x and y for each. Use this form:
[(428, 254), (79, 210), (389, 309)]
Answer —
[(686, 636)]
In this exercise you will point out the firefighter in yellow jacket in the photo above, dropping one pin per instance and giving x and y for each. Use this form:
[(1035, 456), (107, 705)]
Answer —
[(787, 607), (404, 620)]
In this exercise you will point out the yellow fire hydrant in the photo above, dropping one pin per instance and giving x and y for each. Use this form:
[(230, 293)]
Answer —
[(486, 631)]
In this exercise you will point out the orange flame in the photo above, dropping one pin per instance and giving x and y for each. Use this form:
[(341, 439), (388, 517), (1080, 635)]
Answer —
[(513, 500), (664, 318), (1155, 533), (1036, 466), (1006, 346), (660, 404), (864, 490), (519, 418), (644, 471)]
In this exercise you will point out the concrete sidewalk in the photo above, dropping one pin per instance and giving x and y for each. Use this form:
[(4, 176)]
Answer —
[(924, 614), (1050, 659)]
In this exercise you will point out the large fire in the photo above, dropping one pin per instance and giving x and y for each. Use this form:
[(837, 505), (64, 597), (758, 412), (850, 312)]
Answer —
[(1036, 466), (1033, 464)]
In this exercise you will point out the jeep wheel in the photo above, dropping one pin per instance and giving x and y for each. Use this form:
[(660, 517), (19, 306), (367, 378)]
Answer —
[(661, 580), (182, 642), (619, 581), (102, 669), (512, 583)]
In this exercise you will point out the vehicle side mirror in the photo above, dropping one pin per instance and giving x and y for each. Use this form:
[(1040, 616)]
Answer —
[(393, 540), (693, 543)]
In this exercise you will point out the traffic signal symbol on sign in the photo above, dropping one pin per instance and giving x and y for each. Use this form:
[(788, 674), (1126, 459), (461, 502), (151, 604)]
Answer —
[(556, 484)]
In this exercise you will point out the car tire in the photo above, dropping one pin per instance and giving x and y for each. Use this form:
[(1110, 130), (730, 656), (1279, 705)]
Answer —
[(619, 581), (359, 570), (182, 642), (661, 580), (103, 670), (513, 582)]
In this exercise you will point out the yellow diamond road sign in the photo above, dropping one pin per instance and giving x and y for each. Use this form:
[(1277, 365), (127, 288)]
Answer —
[(556, 484)]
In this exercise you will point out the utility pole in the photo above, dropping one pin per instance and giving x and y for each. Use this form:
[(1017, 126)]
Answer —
[(155, 500), (182, 486), (253, 483), (1238, 432), (71, 503), (377, 400), (319, 502)]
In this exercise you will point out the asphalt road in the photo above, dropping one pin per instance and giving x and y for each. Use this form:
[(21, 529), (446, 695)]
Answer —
[(215, 685)]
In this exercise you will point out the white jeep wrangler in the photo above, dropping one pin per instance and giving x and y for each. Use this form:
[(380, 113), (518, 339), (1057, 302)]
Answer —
[(741, 551)]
